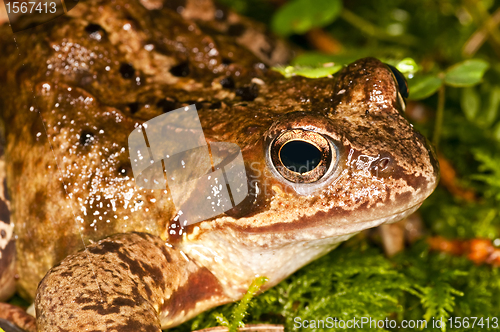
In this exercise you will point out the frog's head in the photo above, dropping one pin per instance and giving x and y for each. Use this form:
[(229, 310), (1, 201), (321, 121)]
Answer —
[(333, 157), (341, 159), (351, 165)]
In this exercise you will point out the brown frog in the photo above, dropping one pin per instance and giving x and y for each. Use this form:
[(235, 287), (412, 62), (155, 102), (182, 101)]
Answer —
[(324, 158)]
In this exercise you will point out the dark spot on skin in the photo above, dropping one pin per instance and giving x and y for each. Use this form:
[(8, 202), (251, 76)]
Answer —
[(4, 212), (83, 300), (367, 112), (86, 138), (165, 253), (148, 290), (95, 31), (220, 13), (133, 325), (226, 61), (167, 105), (127, 70), (8, 255), (236, 30), (143, 236), (135, 266), (133, 107), (124, 170), (140, 268), (123, 301), (86, 79), (181, 70), (252, 129), (3, 234), (35, 128), (200, 285), (227, 82), (66, 274), (175, 4), (215, 105), (199, 105), (5, 190), (105, 247), (101, 310), (38, 204), (248, 92)]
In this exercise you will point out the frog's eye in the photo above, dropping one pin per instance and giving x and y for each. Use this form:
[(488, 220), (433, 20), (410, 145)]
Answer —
[(401, 80), (301, 156)]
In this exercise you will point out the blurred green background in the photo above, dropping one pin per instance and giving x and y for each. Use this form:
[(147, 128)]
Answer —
[(449, 50)]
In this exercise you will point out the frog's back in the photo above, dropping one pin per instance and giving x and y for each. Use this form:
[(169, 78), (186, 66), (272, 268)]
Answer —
[(78, 85)]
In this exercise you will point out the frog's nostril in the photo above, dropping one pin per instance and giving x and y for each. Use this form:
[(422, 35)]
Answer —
[(382, 167), (383, 163), (301, 156)]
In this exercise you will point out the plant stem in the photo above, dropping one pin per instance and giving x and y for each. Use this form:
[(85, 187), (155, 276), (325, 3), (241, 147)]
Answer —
[(241, 310), (439, 117), (374, 31)]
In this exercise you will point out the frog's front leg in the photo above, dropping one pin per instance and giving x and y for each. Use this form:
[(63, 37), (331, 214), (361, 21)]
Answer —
[(127, 282)]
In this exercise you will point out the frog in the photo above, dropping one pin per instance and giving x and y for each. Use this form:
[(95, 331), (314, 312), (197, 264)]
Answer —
[(324, 159)]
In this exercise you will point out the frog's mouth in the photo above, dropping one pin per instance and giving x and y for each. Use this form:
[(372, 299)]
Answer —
[(324, 225), (388, 219)]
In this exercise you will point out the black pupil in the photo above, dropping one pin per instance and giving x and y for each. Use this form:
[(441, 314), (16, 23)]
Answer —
[(400, 79), (300, 156)]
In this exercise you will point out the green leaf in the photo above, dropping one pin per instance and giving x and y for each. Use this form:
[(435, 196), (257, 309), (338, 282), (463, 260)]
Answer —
[(316, 59), (300, 16), (496, 132), (466, 73), (470, 102), (407, 66), (491, 111), (424, 86), (327, 69)]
